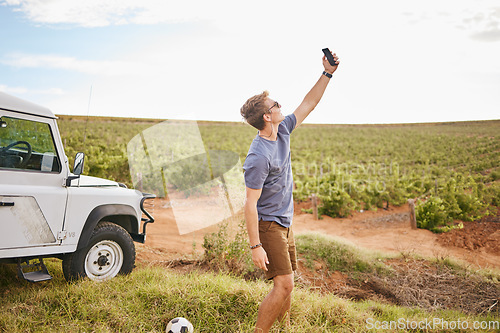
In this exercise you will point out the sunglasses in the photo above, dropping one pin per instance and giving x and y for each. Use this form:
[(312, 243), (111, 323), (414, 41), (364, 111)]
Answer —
[(275, 104)]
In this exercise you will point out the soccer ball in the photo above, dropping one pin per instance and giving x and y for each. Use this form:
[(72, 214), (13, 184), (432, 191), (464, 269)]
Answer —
[(180, 325)]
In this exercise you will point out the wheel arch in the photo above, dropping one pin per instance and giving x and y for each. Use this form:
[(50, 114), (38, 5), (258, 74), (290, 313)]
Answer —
[(122, 215)]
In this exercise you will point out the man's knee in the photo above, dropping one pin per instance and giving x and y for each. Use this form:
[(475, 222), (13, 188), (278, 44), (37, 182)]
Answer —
[(284, 283)]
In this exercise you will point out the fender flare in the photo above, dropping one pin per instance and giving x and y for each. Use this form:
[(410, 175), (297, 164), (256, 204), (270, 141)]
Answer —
[(122, 215)]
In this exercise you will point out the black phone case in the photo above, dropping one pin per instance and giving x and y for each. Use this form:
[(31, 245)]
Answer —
[(329, 56)]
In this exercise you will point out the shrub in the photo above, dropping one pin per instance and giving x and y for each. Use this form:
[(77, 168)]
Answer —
[(336, 203), (432, 213), (229, 252)]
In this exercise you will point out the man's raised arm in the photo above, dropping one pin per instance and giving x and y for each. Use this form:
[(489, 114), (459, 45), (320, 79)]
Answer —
[(314, 95)]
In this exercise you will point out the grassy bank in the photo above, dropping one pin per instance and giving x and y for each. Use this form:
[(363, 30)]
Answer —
[(147, 299)]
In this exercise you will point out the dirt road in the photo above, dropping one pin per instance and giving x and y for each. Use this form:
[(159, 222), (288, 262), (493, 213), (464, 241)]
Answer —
[(386, 231)]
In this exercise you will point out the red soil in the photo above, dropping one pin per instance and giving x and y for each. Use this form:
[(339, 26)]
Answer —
[(387, 231)]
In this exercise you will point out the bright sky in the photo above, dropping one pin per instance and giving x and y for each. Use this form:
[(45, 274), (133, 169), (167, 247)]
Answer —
[(401, 60)]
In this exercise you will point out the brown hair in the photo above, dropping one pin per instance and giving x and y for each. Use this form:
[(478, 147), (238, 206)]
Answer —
[(254, 109)]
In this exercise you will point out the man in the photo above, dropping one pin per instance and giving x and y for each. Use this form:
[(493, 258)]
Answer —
[(269, 201)]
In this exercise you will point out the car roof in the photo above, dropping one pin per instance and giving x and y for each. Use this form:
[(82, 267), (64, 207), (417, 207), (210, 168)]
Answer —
[(11, 103)]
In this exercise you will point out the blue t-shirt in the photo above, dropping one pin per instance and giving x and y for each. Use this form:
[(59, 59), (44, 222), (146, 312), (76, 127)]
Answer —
[(268, 167)]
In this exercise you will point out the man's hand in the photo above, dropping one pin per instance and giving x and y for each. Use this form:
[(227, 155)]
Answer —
[(259, 257), (329, 68)]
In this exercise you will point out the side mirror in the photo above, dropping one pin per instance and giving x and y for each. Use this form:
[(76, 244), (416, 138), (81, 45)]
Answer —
[(78, 166)]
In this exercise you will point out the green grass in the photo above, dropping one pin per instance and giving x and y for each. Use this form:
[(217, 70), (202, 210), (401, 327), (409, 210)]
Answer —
[(150, 296), (339, 255)]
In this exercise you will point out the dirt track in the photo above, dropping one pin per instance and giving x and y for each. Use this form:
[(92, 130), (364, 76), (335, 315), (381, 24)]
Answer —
[(383, 230)]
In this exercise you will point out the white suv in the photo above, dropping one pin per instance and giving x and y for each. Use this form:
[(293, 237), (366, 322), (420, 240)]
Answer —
[(47, 211)]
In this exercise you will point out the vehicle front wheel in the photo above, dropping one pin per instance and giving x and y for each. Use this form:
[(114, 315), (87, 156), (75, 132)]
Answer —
[(110, 251)]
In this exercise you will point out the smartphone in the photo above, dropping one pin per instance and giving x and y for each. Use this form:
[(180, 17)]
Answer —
[(329, 56)]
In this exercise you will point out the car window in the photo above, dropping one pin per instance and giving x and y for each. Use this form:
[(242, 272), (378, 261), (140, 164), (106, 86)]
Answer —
[(27, 145)]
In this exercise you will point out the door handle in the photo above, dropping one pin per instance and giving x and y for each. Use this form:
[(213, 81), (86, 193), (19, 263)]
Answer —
[(6, 204)]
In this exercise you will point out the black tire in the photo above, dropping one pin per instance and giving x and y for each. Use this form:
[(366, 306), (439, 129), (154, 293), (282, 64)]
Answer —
[(110, 251)]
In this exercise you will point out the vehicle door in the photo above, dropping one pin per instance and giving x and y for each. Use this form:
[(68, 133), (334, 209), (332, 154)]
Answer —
[(32, 195)]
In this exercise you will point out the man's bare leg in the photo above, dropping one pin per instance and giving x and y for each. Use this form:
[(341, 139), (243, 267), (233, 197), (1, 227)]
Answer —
[(284, 315), (276, 303)]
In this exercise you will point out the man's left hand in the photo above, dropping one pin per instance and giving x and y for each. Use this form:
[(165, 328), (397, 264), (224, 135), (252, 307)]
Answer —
[(329, 68)]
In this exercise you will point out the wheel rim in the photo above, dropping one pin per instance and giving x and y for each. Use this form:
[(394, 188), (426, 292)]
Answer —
[(104, 260)]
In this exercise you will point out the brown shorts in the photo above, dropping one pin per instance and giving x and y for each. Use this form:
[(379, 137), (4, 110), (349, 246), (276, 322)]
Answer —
[(279, 244)]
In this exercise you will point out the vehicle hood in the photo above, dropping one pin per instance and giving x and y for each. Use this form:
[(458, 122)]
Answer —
[(88, 181)]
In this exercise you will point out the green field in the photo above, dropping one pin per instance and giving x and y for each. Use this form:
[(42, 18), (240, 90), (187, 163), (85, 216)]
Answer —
[(453, 169)]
